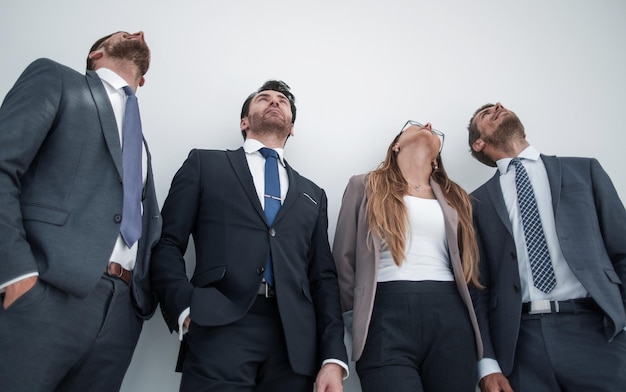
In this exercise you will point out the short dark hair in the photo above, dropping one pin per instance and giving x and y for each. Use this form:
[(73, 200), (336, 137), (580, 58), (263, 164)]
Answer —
[(97, 46), (474, 134), (274, 85)]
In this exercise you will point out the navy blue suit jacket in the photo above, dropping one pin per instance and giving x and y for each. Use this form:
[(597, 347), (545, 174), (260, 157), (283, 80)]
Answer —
[(213, 199), (591, 229)]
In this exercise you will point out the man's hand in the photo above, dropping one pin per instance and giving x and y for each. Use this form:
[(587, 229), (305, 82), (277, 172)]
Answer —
[(17, 289), (329, 378), (495, 382)]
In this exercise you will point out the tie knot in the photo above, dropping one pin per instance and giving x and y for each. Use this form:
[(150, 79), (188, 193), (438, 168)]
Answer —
[(268, 153), (515, 162), (129, 91)]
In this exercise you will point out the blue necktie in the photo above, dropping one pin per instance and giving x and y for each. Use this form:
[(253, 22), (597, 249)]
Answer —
[(131, 160), (272, 201), (540, 264)]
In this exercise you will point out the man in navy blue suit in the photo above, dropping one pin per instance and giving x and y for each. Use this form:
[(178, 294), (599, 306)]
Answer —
[(567, 335), (247, 331)]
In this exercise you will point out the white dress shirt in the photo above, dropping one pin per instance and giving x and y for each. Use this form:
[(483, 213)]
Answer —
[(114, 86)]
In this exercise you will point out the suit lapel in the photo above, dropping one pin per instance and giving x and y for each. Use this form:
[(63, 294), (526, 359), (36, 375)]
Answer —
[(239, 164), (494, 190), (292, 192), (451, 220), (553, 169), (107, 119)]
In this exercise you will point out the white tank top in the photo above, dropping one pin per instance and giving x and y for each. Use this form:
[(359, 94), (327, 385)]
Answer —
[(426, 256)]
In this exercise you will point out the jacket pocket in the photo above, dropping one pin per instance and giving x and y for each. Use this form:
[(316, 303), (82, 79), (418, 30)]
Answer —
[(44, 214), (209, 277)]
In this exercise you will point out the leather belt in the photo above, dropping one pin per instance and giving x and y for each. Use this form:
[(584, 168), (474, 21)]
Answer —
[(117, 271), (266, 290), (570, 306)]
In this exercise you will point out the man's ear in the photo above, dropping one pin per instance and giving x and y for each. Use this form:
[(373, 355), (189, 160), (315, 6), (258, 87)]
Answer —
[(142, 81), (96, 54), (291, 132), (243, 125), (478, 145)]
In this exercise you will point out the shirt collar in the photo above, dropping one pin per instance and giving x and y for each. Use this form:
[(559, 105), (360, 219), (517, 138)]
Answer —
[(113, 79), (251, 146), (529, 153)]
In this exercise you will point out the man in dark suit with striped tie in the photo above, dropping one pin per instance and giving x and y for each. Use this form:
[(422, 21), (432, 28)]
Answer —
[(552, 240)]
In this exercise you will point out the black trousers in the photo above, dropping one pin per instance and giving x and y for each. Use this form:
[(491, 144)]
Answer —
[(51, 341), (245, 356), (420, 339)]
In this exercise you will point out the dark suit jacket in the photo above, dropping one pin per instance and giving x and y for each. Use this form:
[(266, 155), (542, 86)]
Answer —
[(591, 228), (61, 184), (213, 198), (357, 254)]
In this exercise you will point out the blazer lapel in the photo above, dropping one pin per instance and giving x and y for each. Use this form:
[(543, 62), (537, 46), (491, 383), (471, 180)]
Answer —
[(107, 119), (239, 164), (292, 192), (553, 169), (451, 220), (495, 194)]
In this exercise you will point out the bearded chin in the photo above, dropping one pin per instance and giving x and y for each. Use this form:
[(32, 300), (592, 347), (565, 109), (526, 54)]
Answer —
[(133, 50), (270, 125), (511, 128)]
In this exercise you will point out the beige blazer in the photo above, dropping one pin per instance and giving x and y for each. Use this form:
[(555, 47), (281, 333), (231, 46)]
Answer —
[(356, 255)]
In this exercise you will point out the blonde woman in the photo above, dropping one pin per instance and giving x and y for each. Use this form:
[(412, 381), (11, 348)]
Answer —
[(405, 253)]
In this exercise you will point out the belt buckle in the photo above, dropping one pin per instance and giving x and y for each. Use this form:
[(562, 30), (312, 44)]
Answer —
[(540, 307)]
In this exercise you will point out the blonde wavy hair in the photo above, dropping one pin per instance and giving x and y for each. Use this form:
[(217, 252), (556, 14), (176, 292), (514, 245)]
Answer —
[(388, 218)]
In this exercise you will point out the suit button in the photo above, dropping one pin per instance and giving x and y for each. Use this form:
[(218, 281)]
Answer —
[(516, 288), (272, 232), (117, 218), (260, 270)]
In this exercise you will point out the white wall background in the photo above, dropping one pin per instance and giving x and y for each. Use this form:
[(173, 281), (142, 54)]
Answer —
[(359, 70)]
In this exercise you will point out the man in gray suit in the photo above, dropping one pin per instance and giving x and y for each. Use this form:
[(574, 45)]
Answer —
[(558, 327), (74, 293)]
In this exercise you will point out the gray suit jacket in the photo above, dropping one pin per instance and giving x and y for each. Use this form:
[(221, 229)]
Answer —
[(356, 253), (61, 184), (591, 227)]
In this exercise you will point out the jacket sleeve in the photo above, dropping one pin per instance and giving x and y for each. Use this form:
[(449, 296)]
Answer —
[(26, 117)]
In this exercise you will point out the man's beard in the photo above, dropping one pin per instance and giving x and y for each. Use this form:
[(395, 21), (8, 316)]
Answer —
[(270, 125), (133, 50), (509, 129)]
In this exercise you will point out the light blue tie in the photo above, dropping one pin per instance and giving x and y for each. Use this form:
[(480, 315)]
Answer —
[(131, 160), (272, 201), (540, 264)]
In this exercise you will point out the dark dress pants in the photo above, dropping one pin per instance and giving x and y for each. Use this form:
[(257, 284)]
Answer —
[(420, 339), (567, 352), (247, 355), (51, 341)]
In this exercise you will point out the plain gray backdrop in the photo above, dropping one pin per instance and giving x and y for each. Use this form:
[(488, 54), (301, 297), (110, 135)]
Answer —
[(359, 70)]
